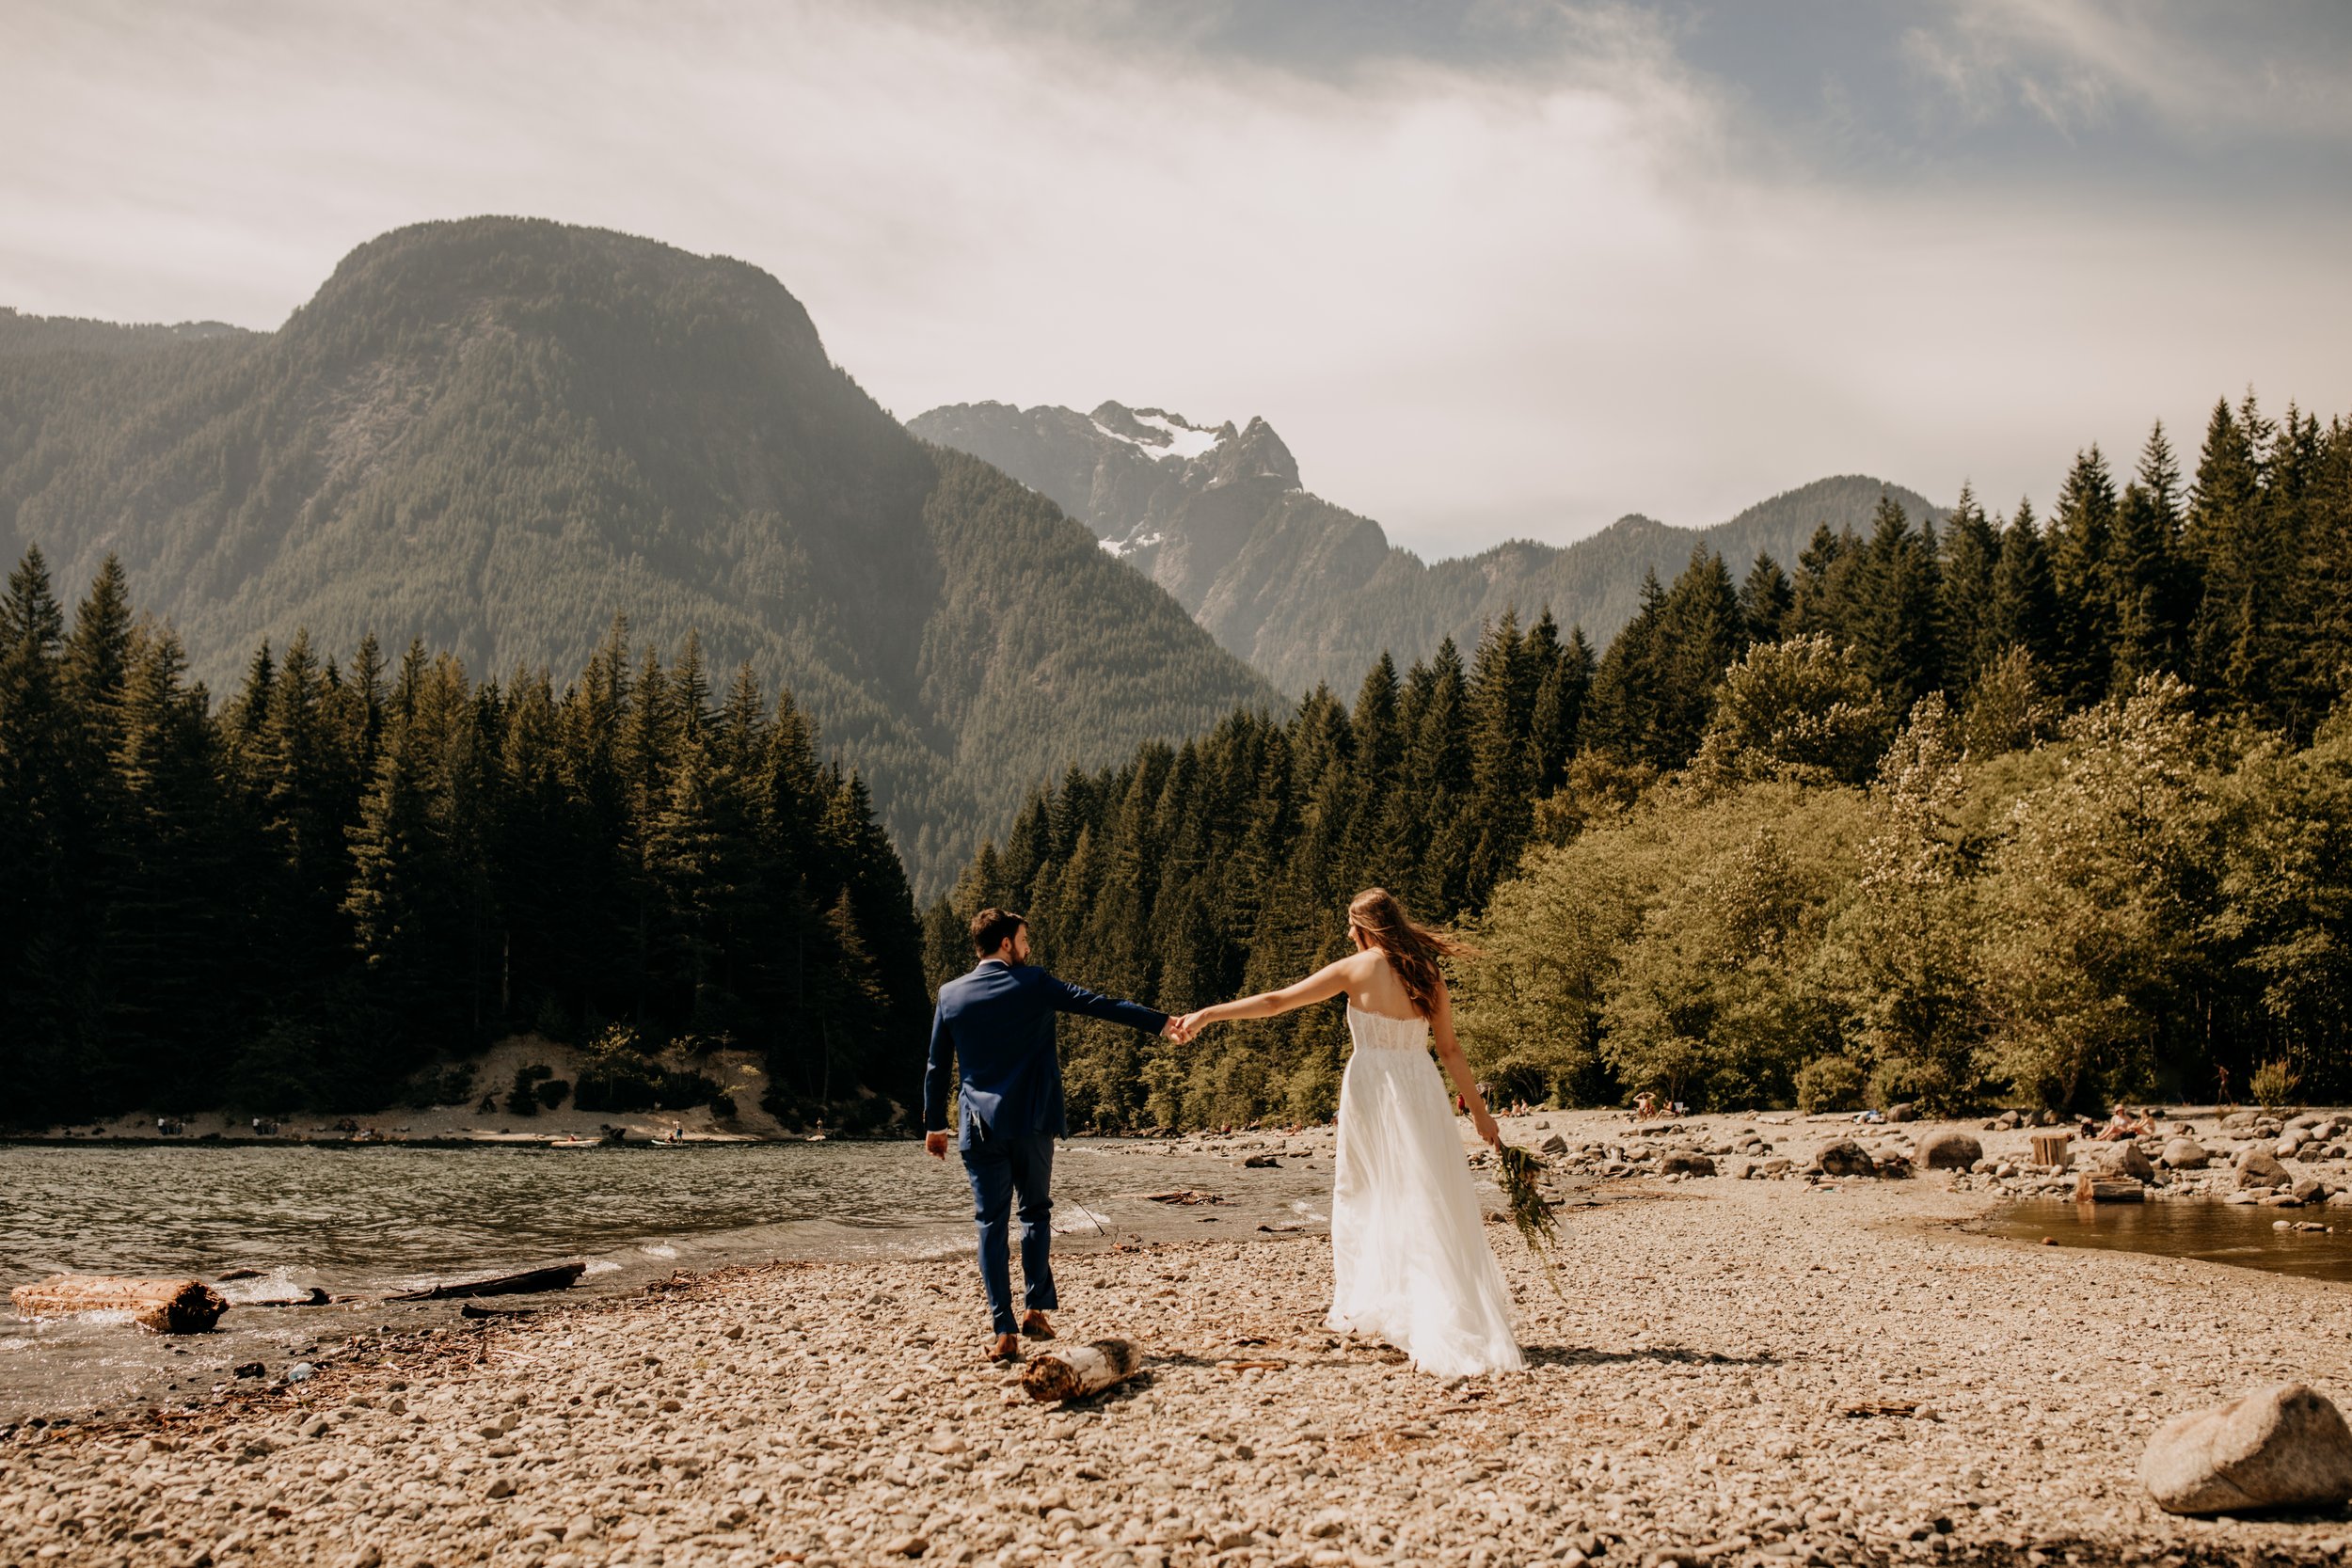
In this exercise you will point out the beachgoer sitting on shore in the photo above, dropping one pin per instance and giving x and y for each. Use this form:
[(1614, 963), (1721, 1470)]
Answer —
[(1645, 1106), (2124, 1125)]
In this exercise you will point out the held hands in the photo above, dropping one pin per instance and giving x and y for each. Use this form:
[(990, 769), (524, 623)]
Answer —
[(1181, 1029)]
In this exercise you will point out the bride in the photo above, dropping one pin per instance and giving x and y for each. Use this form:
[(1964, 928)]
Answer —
[(1408, 1253)]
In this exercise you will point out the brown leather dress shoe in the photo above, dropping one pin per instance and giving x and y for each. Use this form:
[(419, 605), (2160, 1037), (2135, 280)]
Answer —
[(1035, 1327), (1007, 1346)]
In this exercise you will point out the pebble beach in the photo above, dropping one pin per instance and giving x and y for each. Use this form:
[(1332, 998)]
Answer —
[(1722, 1369)]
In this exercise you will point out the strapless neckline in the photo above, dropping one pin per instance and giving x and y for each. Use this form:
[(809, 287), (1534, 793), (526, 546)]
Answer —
[(1385, 1018)]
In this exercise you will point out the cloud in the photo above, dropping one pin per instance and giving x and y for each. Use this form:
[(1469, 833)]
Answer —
[(1513, 275), (2195, 70)]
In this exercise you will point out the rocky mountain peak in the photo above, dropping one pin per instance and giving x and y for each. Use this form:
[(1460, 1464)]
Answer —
[(1257, 453), (1158, 432)]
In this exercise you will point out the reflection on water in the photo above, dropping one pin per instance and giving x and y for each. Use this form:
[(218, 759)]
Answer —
[(365, 1220), (2190, 1227)]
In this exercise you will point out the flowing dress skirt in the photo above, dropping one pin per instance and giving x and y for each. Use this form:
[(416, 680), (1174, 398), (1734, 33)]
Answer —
[(1409, 1260)]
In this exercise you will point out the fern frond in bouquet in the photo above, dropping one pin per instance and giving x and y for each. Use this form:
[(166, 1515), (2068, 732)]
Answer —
[(1517, 1173)]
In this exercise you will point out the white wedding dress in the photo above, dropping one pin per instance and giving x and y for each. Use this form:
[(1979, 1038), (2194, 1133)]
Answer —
[(1409, 1261)]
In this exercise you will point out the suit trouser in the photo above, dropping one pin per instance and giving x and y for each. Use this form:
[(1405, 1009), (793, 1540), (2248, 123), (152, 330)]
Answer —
[(999, 1169)]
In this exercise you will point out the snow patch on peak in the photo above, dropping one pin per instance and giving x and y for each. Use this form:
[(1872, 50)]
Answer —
[(1158, 434)]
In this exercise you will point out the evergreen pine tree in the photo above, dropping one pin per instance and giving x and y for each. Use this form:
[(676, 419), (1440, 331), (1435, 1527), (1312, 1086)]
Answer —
[(1896, 625), (2082, 537), (1972, 553), (1766, 599), (2023, 613)]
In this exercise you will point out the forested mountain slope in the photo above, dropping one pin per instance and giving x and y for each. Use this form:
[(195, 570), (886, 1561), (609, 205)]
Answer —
[(497, 433), (2045, 812), (1309, 593)]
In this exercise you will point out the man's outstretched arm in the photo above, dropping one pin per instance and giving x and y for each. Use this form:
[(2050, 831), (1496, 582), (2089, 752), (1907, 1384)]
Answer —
[(1135, 1015)]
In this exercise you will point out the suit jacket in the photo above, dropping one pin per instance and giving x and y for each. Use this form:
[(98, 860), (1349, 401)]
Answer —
[(997, 1024)]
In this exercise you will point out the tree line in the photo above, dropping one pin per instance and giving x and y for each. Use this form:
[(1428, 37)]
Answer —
[(312, 893), (2027, 808)]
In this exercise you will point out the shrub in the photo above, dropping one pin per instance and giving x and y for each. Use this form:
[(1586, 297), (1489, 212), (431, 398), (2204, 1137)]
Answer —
[(1828, 1084), (723, 1107), (552, 1092), (1901, 1079), (523, 1100), (2273, 1086), (445, 1085)]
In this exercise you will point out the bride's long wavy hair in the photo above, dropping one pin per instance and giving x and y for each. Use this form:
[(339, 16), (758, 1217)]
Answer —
[(1412, 950)]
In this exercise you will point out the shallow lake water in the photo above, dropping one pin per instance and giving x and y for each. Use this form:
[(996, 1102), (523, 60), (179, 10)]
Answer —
[(364, 1221), (2217, 1232)]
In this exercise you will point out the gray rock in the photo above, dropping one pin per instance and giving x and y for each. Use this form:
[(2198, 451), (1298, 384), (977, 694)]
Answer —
[(1684, 1162), (2259, 1167), (2283, 1447), (1949, 1151), (1554, 1145), (2185, 1154), (2309, 1190), (2238, 1119), (1843, 1157), (1903, 1113)]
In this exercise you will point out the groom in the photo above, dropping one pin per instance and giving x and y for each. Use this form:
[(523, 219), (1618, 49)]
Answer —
[(997, 1022)]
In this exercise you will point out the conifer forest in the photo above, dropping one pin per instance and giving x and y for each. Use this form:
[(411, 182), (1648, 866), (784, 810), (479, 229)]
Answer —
[(318, 892), (2038, 810)]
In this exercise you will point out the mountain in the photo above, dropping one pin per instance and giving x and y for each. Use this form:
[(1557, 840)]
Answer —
[(1309, 593), (497, 435)]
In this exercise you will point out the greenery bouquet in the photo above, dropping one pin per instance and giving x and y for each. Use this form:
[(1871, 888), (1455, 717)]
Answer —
[(1517, 1172)]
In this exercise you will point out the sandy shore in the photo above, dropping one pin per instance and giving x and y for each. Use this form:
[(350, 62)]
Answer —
[(1739, 1371)]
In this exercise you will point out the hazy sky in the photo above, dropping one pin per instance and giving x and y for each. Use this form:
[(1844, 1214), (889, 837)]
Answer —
[(1497, 267)]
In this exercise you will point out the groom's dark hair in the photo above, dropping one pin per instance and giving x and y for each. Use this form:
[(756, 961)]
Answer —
[(992, 928)]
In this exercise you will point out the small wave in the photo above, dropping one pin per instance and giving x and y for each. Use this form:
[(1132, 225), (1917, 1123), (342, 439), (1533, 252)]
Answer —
[(1076, 1217), (603, 1265), (275, 1285), (656, 1249)]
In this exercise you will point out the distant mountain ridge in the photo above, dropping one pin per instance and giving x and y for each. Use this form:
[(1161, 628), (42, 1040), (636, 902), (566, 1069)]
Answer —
[(1310, 593), (497, 434)]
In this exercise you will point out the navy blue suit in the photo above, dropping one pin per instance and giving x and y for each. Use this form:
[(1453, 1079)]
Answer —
[(997, 1024)]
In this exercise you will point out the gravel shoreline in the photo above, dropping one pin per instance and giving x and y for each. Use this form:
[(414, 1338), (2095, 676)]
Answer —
[(1737, 1372)]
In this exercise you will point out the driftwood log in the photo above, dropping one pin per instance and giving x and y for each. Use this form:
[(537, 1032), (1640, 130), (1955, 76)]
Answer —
[(157, 1306), (562, 1276), (1073, 1371), (2108, 1189)]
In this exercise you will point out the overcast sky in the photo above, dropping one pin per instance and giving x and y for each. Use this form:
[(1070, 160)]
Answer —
[(1493, 268)]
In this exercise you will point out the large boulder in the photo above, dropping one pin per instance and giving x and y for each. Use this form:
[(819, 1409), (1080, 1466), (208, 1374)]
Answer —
[(1683, 1162), (2259, 1167), (2279, 1447), (2185, 1154), (1949, 1149), (1844, 1157), (2117, 1160)]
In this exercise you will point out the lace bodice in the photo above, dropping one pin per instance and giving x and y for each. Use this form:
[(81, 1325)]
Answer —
[(1380, 1032)]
